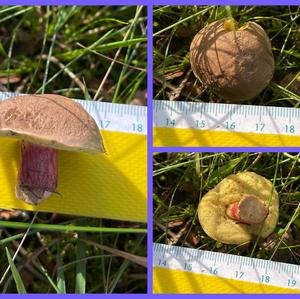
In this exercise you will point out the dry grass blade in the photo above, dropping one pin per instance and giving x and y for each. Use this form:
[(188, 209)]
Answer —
[(139, 10), (142, 261)]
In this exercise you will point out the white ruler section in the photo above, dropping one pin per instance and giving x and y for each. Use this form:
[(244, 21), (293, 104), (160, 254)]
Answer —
[(111, 117), (226, 266), (227, 117)]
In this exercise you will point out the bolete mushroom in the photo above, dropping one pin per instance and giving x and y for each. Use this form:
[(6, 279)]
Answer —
[(44, 124), (241, 207), (236, 63)]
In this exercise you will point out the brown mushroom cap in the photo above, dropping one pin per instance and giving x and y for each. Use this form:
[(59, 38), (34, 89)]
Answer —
[(237, 65), (50, 120), (213, 205)]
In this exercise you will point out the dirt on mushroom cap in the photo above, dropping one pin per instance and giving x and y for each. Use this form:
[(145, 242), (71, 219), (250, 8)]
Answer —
[(50, 120), (212, 208), (237, 65)]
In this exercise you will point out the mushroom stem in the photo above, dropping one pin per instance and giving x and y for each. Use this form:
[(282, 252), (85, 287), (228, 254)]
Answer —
[(37, 177), (249, 210)]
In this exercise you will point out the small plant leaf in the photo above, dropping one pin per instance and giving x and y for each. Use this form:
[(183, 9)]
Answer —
[(80, 287), (61, 283), (223, 171), (2, 50), (17, 278)]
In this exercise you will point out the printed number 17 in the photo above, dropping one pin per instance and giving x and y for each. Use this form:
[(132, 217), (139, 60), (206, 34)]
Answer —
[(260, 127)]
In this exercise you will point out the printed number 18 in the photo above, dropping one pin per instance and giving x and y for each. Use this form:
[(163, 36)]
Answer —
[(289, 129), (137, 128), (265, 278)]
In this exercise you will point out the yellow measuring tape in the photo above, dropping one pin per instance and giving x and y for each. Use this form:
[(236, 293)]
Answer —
[(182, 270), (111, 185), (191, 124), (167, 281), (192, 137)]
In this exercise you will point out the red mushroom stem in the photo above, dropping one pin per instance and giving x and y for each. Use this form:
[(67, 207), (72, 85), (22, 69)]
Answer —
[(37, 177), (249, 210)]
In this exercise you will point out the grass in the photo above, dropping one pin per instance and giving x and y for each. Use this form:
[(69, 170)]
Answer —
[(175, 27), (86, 52), (53, 260), (181, 179), (69, 49)]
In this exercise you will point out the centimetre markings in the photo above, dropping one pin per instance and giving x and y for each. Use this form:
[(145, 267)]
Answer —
[(109, 116), (226, 266), (226, 117)]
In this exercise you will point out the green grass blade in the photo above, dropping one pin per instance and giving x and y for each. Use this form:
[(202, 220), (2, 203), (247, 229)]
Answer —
[(5, 9), (202, 12), (286, 92), (61, 283), (96, 22), (101, 48), (124, 266), (16, 14), (80, 287), (76, 57), (86, 93), (50, 280), (11, 238), (73, 228), (2, 50), (17, 278), (53, 40)]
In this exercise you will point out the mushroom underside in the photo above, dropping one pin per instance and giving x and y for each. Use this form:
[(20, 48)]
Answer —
[(239, 209)]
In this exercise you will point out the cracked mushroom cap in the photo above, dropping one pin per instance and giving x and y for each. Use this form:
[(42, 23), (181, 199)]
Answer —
[(237, 189), (50, 120), (237, 64)]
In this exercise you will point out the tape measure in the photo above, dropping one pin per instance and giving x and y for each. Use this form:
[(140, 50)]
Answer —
[(211, 124), (186, 270), (111, 185)]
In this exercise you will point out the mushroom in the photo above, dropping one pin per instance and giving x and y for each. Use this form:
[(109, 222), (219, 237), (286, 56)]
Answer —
[(44, 124), (236, 63), (241, 207)]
